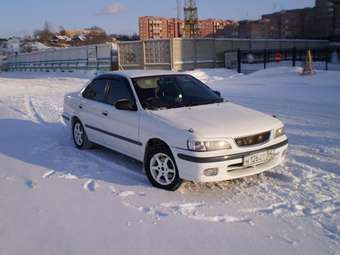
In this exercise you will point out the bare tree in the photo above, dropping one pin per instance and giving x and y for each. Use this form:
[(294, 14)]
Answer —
[(62, 30), (44, 35)]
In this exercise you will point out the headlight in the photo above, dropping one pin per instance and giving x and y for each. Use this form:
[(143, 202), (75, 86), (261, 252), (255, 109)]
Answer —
[(280, 132), (202, 146)]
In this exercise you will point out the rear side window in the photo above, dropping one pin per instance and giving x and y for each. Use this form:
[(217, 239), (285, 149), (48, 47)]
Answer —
[(96, 90), (119, 89)]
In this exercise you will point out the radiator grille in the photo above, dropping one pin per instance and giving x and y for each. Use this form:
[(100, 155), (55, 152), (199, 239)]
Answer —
[(253, 140)]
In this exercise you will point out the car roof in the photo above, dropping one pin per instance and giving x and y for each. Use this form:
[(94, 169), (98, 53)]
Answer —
[(138, 73)]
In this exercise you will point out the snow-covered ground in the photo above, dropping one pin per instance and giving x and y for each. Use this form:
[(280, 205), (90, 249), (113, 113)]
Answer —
[(55, 199)]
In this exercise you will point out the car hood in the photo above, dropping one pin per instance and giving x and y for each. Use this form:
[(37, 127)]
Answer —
[(218, 120)]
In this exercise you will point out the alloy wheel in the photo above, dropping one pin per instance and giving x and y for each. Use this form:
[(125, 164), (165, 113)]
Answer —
[(162, 169)]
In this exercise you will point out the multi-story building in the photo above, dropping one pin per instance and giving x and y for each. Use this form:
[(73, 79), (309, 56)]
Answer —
[(244, 29), (157, 28), (231, 30), (218, 28), (328, 12), (287, 24), (310, 25), (324, 13), (319, 22), (337, 20), (254, 29), (151, 27)]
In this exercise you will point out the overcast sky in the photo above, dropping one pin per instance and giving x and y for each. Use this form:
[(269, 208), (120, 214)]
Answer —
[(22, 17)]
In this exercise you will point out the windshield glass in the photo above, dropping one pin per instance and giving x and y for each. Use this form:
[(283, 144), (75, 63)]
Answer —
[(173, 91)]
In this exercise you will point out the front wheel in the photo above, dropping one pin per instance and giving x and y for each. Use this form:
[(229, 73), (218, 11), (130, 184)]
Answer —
[(79, 136), (161, 169)]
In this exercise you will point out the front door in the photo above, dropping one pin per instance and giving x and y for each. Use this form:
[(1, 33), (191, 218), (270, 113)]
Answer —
[(122, 126)]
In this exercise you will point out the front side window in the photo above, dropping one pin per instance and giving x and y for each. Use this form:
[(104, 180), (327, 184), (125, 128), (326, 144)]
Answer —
[(173, 91), (119, 90), (96, 90)]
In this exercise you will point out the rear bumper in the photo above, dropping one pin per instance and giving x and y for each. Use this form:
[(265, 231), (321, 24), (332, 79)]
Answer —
[(192, 167)]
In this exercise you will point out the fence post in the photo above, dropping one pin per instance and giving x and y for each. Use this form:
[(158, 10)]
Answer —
[(215, 54), (265, 58), (327, 58), (294, 56), (172, 65), (111, 55), (144, 55), (195, 52), (118, 57), (239, 61)]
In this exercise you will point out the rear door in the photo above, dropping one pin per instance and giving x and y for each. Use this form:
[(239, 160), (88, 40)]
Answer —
[(92, 108), (122, 126)]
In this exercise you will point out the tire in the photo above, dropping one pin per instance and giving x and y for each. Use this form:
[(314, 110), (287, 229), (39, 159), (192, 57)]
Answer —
[(80, 138), (161, 169)]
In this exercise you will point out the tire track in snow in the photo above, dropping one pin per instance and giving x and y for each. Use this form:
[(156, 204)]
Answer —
[(324, 159), (293, 199), (31, 110), (190, 210), (12, 108)]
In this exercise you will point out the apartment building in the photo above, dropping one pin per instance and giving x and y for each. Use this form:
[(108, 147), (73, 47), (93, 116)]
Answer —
[(319, 22), (151, 27), (287, 24), (328, 16), (336, 20), (218, 28), (254, 29)]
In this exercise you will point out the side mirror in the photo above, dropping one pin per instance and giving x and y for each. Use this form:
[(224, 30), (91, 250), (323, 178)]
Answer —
[(125, 105), (217, 93)]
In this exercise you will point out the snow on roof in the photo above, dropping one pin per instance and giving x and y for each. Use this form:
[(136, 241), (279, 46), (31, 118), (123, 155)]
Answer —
[(82, 37), (63, 37), (39, 46)]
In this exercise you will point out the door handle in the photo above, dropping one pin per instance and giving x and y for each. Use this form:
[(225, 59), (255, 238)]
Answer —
[(105, 113)]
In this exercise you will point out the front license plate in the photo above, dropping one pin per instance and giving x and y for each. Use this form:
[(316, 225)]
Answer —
[(257, 158)]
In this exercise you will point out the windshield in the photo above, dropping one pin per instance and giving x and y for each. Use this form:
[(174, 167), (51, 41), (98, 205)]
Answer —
[(173, 91)]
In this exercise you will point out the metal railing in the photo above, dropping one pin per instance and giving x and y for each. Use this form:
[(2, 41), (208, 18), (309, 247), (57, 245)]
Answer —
[(253, 60)]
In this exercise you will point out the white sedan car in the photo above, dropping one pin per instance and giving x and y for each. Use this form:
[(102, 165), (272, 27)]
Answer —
[(176, 125)]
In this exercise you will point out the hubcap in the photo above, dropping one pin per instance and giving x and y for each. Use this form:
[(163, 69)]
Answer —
[(78, 134), (162, 169)]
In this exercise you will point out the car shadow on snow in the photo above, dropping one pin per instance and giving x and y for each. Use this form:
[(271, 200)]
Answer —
[(50, 146)]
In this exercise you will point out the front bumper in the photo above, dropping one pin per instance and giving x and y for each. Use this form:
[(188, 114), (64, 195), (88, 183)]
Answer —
[(192, 166)]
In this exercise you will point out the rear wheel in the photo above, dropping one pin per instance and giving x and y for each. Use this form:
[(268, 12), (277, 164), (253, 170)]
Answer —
[(161, 169), (79, 136)]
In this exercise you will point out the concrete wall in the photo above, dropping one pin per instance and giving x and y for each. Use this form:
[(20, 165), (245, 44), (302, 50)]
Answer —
[(175, 54), (187, 54)]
